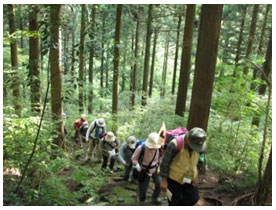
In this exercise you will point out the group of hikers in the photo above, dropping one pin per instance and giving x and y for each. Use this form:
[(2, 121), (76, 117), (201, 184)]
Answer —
[(170, 158)]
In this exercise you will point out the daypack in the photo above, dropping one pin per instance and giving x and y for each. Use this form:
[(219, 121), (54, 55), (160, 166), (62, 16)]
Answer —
[(97, 133), (171, 134), (139, 142)]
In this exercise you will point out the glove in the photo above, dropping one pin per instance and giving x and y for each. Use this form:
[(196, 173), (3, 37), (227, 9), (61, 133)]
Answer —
[(112, 153), (138, 167), (102, 135)]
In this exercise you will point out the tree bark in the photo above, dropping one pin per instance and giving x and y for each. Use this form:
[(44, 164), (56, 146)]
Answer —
[(238, 52), (267, 65), (116, 59), (102, 56), (21, 28), (176, 53), (152, 63), (205, 65), (185, 61), (73, 58), (260, 47), (34, 58), (56, 77), (91, 60), (14, 62), (107, 66), (134, 74), (165, 66), (251, 35), (264, 190), (147, 55), (81, 57)]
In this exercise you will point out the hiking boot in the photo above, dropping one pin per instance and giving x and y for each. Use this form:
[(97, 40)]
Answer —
[(156, 201)]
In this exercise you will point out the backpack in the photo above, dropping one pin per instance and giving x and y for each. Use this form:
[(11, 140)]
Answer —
[(171, 134), (97, 133)]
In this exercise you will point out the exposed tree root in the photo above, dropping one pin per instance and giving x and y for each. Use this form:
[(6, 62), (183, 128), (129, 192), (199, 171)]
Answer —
[(238, 199)]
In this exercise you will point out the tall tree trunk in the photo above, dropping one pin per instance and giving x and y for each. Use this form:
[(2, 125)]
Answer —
[(34, 58), (81, 57), (259, 50), (260, 47), (41, 55), (124, 70), (132, 65), (265, 75), (147, 55), (14, 63), (102, 55), (205, 65), (165, 66), (176, 53), (264, 190), (73, 58), (184, 75), (152, 63), (267, 65), (238, 52), (65, 51), (21, 28), (134, 74), (56, 78), (116, 59), (91, 60), (251, 35), (107, 66)]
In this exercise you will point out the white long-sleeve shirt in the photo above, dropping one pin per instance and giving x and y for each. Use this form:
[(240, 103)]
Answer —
[(92, 129)]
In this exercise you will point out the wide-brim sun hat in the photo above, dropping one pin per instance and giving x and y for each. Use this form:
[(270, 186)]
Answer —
[(197, 139), (100, 122), (152, 141), (131, 141), (110, 137)]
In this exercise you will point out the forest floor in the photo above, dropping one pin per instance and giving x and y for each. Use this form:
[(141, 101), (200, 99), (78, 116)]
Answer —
[(215, 189)]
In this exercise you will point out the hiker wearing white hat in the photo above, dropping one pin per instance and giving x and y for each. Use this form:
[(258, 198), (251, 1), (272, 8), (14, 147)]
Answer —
[(94, 134), (146, 159), (178, 168), (109, 146), (124, 157)]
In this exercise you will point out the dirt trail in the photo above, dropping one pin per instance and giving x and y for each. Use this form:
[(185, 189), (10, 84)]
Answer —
[(117, 192)]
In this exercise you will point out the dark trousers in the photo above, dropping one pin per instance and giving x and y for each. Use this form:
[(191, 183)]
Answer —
[(112, 161), (182, 195), (143, 187), (127, 172)]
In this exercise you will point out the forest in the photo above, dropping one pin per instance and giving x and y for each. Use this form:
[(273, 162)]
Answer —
[(137, 66)]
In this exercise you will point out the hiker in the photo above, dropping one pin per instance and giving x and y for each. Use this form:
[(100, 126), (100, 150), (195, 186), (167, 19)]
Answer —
[(94, 134), (146, 159), (125, 154), (179, 167), (77, 125), (110, 147), (82, 132)]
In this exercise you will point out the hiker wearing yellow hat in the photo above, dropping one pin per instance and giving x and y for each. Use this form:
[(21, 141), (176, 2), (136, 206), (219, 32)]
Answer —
[(179, 167)]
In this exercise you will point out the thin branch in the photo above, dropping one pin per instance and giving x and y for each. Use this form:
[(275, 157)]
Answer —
[(37, 135), (260, 69), (261, 109)]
